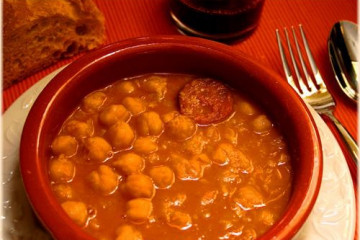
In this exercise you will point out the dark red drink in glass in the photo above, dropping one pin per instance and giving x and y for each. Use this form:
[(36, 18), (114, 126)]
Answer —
[(216, 19)]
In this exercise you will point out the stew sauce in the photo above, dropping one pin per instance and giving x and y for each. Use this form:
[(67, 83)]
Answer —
[(128, 165)]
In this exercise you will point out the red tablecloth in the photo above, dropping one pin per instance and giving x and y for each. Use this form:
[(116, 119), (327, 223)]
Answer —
[(134, 18)]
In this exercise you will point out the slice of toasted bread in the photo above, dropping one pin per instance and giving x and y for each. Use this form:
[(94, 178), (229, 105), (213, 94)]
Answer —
[(37, 33)]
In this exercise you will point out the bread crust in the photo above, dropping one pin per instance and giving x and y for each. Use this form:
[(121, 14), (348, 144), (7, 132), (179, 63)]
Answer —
[(37, 33)]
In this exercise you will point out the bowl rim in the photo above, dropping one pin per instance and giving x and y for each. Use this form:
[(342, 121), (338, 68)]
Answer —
[(38, 190)]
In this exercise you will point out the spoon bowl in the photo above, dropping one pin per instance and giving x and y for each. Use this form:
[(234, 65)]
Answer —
[(343, 49)]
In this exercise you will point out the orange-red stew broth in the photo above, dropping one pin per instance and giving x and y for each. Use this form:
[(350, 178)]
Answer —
[(127, 165)]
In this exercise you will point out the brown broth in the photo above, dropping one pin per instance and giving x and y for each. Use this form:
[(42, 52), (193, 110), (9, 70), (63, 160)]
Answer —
[(224, 218)]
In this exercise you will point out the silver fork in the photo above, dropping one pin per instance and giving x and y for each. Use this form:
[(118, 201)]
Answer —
[(318, 97)]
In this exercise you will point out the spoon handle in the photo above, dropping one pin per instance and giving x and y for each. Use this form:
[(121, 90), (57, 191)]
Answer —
[(348, 139)]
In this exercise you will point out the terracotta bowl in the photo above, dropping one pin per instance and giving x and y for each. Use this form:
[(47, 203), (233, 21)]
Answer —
[(177, 54)]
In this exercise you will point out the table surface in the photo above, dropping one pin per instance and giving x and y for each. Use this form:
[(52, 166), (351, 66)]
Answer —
[(135, 18)]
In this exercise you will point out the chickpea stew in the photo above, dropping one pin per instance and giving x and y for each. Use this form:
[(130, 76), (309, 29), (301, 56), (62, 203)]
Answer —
[(130, 163)]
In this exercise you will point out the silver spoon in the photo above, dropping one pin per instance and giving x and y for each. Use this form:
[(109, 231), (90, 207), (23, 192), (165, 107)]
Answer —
[(343, 50)]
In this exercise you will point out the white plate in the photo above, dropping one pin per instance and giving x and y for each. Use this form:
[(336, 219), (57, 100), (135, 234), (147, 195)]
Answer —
[(333, 216)]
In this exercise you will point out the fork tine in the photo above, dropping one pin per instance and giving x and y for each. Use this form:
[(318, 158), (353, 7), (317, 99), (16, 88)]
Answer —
[(315, 70), (307, 76), (304, 90), (285, 63)]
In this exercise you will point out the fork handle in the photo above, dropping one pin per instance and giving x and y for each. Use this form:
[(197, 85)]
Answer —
[(348, 139)]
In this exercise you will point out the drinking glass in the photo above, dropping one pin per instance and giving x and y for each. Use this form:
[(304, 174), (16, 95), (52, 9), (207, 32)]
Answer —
[(216, 19)]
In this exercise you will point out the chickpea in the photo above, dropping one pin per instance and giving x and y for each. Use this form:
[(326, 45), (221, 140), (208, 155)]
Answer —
[(120, 135), (64, 144), (213, 134), (181, 127), (139, 186), (203, 159), (63, 191), (139, 210), (167, 117), (192, 169), (230, 135), (283, 159), (246, 108), (248, 233), (129, 163), (104, 179), (93, 102), (125, 87), (113, 113), (162, 176), (157, 85), (149, 123), (240, 213), (77, 211), (99, 149), (195, 145), (127, 232), (247, 197), (179, 220), (209, 197), (228, 176), (145, 145), (79, 129), (261, 124), (221, 154), (226, 153), (186, 169), (62, 169), (134, 105), (267, 217)]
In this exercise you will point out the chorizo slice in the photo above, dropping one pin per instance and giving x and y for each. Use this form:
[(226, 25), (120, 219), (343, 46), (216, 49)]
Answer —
[(206, 101)]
